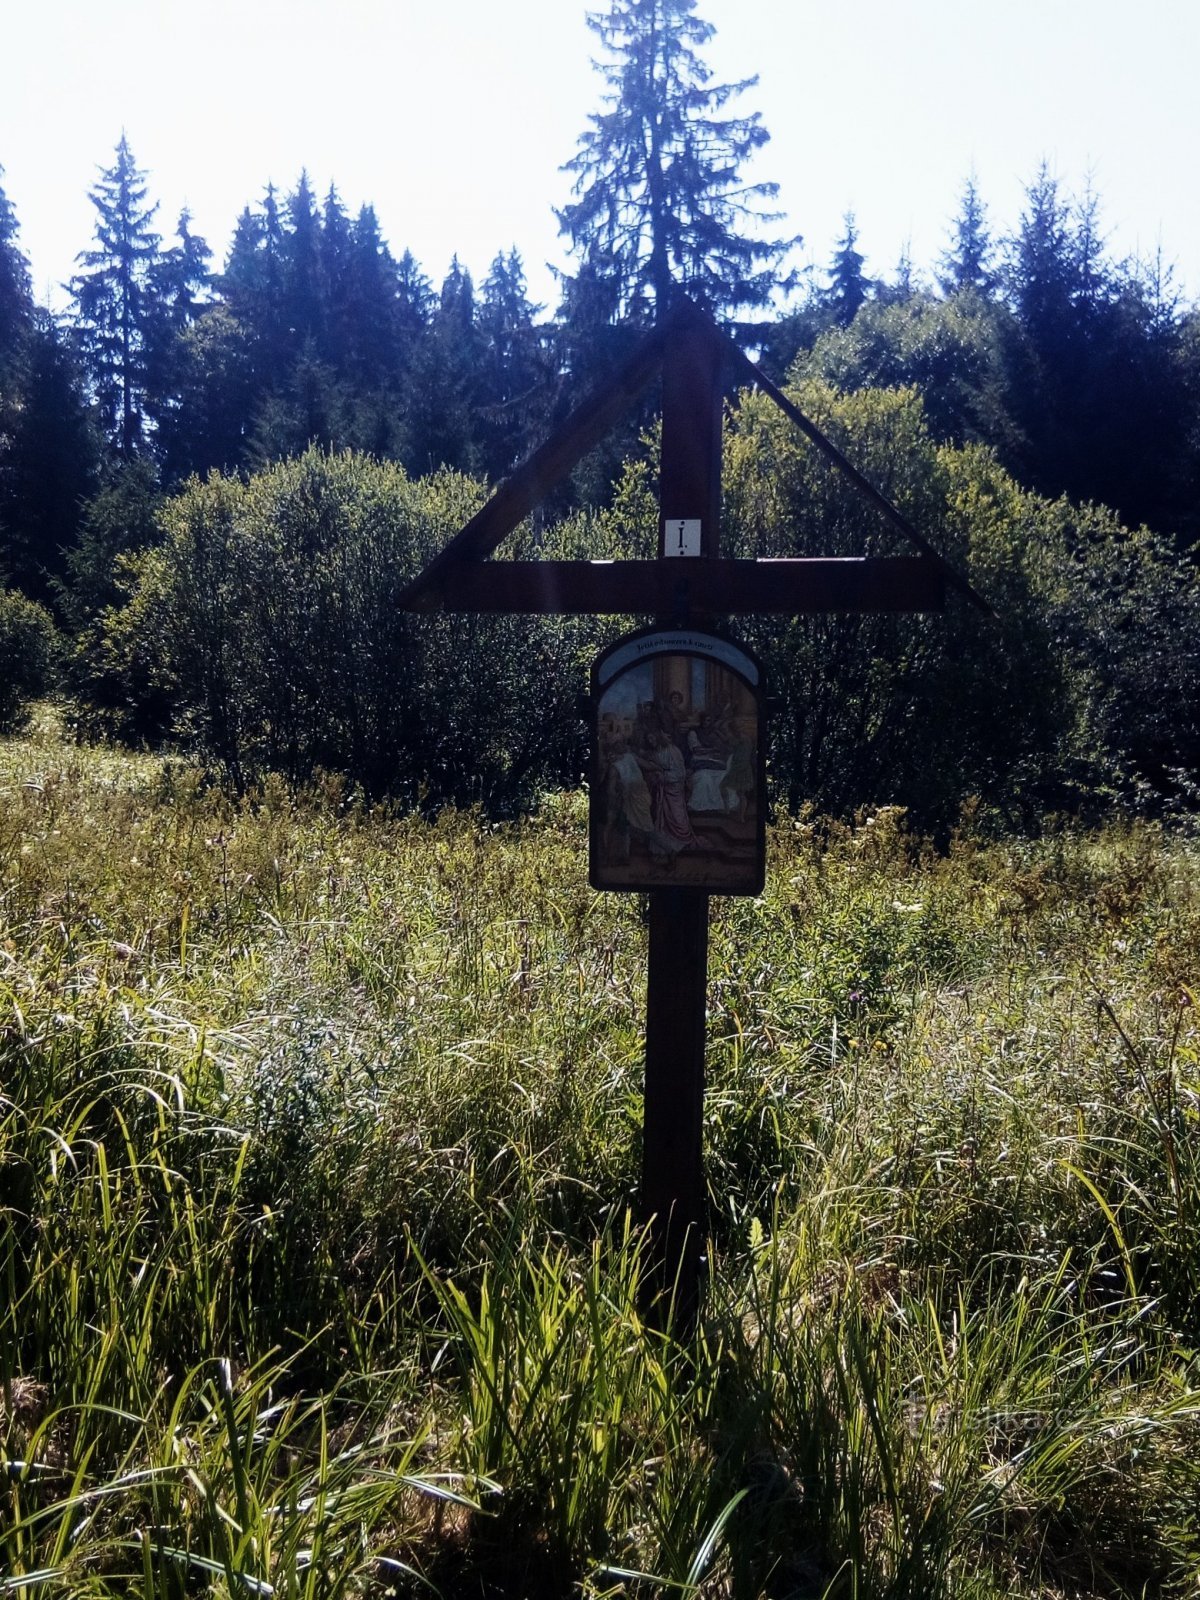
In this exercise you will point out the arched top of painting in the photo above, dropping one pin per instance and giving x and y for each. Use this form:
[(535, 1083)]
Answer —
[(650, 642)]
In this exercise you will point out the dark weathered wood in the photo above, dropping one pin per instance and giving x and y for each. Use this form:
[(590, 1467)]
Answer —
[(673, 1196), (679, 590), (701, 356), (692, 403)]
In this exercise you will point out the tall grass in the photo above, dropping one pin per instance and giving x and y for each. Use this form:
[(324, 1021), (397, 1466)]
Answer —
[(319, 1132)]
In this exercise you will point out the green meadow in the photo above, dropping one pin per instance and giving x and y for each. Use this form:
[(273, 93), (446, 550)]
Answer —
[(319, 1261)]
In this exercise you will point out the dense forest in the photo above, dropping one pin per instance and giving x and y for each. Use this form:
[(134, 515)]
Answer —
[(214, 476)]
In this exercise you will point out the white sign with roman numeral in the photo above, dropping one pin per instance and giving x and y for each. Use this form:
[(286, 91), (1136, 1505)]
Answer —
[(681, 536)]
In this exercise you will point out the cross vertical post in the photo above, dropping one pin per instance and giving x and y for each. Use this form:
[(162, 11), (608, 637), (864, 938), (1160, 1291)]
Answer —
[(673, 1190)]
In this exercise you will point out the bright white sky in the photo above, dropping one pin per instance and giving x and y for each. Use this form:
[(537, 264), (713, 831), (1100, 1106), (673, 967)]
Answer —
[(453, 119)]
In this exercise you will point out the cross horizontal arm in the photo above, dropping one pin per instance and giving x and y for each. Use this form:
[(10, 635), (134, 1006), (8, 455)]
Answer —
[(680, 586)]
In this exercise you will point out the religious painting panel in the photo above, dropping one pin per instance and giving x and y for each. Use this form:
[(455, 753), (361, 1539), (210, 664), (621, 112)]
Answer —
[(677, 765)]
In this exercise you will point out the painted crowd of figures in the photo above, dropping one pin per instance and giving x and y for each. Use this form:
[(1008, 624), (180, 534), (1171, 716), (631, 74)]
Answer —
[(665, 770)]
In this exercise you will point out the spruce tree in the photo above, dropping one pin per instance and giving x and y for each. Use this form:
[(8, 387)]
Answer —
[(660, 193), (516, 373), (415, 298), (47, 446), (183, 276), (302, 265), (333, 259), (16, 301), (372, 305), (48, 460), (181, 283), (253, 287), (15, 312), (1041, 275), (444, 382), (241, 281), (849, 285), (117, 301), (967, 263), (1101, 397)]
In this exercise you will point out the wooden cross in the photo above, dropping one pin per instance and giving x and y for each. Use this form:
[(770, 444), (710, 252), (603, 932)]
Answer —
[(689, 585)]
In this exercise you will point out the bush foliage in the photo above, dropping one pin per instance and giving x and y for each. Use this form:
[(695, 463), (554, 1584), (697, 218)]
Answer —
[(263, 631), (28, 655)]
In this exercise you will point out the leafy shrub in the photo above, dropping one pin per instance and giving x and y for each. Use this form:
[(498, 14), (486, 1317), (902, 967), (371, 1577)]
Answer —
[(268, 622), (265, 633), (1081, 687), (28, 649)]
